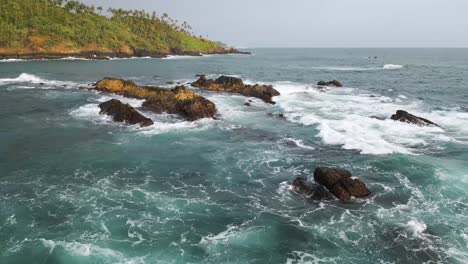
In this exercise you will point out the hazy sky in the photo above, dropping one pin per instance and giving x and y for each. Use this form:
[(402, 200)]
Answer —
[(318, 23)]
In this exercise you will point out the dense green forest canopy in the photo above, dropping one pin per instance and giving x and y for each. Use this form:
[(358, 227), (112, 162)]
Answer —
[(53, 25)]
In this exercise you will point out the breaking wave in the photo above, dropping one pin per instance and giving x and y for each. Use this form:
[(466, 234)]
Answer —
[(359, 121), (392, 66), (33, 79)]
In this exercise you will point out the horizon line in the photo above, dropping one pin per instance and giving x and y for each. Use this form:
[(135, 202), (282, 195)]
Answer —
[(344, 47)]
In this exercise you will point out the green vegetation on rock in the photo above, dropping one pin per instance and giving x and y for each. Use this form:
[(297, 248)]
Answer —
[(70, 27)]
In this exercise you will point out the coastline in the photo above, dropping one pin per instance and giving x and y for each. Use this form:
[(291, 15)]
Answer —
[(99, 55)]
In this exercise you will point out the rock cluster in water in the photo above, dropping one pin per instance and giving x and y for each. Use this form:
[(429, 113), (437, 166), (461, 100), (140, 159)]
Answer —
[(332, 83), (180, 100), (125, 113), (236, 85), (406, 117), (330, 181)]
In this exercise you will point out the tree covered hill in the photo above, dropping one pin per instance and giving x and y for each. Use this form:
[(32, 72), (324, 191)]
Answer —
[(54, 28)]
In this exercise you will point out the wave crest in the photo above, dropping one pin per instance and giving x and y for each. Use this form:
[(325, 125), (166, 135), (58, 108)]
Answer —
[(392, 66), (34, 79)]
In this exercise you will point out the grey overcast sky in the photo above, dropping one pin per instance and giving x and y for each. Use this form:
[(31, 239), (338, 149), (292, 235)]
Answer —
[(317, 23)]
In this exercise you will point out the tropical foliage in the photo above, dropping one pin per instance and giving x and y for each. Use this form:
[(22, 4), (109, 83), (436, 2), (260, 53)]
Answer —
[(48, 24)]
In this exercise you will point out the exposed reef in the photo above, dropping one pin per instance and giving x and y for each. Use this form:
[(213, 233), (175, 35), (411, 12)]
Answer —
[(236, 85), (180, 100)]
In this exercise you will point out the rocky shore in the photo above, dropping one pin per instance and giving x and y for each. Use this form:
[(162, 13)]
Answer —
[(101, 55)]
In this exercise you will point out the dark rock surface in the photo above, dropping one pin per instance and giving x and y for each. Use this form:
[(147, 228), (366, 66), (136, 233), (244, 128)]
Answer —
[(340, 183), (311, 190), (125, 113), (333, 83), (404, 116), (236, 85)]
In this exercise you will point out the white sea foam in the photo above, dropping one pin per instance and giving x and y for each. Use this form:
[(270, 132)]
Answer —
[(300, 257), (223, 236), (299, 143), (80, 249), (77, 249), (73, 59), (346, 117), (130, 58), (33, 79), (417, 228), (178, 57), (392, 66), (11, 60)]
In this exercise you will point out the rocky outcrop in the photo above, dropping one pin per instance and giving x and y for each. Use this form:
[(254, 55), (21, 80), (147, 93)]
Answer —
[(125, 113), (180, 100), (333, 83), (340, 183), (236, 85), (404, 116), (311, 190)]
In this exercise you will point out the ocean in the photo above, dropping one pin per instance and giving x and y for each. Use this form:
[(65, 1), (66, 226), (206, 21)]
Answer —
[(76, 187)]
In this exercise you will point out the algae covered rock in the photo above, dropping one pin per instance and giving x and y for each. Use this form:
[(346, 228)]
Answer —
[(180, 100), (236, 85)]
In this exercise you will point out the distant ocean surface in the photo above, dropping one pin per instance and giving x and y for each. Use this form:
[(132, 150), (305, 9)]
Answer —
[(76, 187)]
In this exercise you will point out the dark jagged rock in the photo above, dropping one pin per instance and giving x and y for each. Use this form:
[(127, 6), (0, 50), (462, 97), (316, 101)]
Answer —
[(247, 104), (180, 100), (311, 190), (236, 85), (125, 113), (333, 83), (404, 116), (340, 183), (170, 82)]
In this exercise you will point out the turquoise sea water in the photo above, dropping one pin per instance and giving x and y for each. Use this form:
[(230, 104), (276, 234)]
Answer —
[(77, 188)]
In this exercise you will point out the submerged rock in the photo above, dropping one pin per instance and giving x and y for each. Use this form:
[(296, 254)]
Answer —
[(125, 113), (333, 83), (340, 183), (180, 100), (404, 116), (236, 85), (311, 190)]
